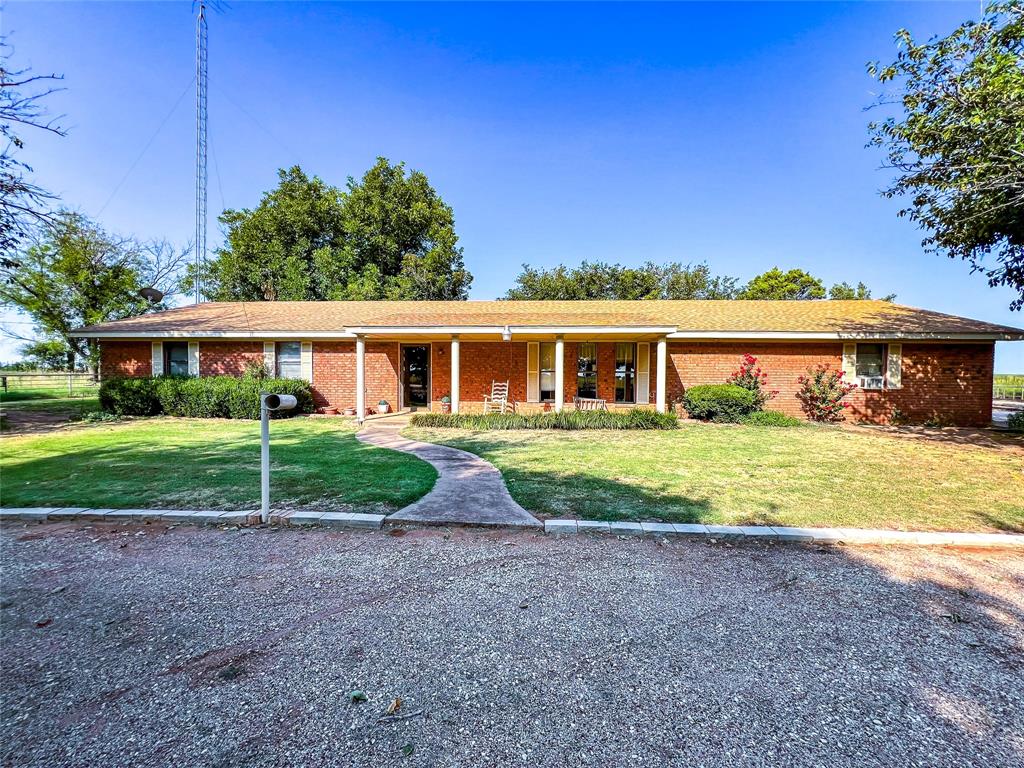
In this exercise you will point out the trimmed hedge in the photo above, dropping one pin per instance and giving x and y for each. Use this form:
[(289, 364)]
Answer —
[(213, 397), (770, 419), (635, 418), (719, 402)]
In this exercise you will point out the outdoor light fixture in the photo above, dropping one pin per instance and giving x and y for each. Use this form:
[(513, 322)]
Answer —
[(268, 403), (506, 334)]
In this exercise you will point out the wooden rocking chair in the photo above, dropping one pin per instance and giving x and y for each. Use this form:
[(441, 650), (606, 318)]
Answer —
[(498, 401)]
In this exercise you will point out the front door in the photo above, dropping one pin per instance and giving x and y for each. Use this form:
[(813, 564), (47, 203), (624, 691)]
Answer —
[(415, 376)]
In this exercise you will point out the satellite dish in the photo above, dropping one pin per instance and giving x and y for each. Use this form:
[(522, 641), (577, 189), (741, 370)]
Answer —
[(152, 295)]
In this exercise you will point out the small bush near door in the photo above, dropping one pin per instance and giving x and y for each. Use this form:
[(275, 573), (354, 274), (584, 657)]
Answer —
[(213, 397), (719, 402), (635, 418)]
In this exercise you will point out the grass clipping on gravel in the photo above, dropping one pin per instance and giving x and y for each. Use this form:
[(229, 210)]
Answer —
[(739, 474), (208, 464)]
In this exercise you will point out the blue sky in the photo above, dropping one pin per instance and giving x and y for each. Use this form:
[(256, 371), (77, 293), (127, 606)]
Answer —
[(728, 133)]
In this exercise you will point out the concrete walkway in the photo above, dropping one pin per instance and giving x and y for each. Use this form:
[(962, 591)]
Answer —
[(469, 490)]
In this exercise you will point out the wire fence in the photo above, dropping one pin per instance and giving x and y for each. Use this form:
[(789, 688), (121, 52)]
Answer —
[(26, 385)]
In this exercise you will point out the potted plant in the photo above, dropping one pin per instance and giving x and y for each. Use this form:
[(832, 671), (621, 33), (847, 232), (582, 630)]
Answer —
[(350, 411), (382, 406), (446, 404)]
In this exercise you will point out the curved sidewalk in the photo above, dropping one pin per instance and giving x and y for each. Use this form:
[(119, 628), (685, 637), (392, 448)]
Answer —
[(468, 491)]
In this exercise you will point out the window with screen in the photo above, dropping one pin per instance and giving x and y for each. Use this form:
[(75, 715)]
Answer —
[(289, 360), (625, 373), (547, 371), (176, 358), (586, 370)]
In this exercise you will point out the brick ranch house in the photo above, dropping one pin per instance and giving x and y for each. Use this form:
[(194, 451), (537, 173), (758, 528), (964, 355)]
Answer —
[(920, 363)]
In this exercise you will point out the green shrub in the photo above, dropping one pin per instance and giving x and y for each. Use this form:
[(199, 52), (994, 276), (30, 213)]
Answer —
[(96, 417), (1016, 421), (225, 397), (719, 402), (130, 397), (770, 419), (634, 418)]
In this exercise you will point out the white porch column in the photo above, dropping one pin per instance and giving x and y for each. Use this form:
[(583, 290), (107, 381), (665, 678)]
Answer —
[(360, 379), (559, 372), (659, 401), (455, 374)]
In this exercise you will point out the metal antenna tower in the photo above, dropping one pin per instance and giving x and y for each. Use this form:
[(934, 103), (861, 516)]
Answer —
[(201, 87)]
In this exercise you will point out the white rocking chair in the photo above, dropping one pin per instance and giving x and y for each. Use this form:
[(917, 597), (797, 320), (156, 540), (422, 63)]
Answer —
[(498, 401)]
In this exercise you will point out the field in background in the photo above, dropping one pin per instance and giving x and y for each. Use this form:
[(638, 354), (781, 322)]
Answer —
[(45, 385), (1008, 386)]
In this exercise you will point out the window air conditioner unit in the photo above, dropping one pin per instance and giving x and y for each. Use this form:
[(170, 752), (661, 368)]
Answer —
[(871, 382)]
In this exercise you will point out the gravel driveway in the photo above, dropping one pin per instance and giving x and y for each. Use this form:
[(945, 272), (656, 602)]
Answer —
[(198, 647)]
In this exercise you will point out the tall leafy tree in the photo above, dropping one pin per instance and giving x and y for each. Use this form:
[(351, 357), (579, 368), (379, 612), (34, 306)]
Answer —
[(845, 291), (23, 204), (778, 285), (280, 250), (72, 273), (796, 284), (599, 280), (955, 140), (48, 355), (400, 240), (387, 236)]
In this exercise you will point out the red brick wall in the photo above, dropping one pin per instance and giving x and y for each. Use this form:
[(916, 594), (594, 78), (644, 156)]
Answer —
[(950, 381), (228, 358), (126, 358), (334, 373)]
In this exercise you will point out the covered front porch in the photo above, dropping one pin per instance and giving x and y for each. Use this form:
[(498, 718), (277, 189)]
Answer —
[(547, 369)]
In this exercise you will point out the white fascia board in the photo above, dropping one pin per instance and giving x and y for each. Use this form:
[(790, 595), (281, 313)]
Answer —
[(405, 330), (832, 335), (618, 330), (415, 330), (197, 334)]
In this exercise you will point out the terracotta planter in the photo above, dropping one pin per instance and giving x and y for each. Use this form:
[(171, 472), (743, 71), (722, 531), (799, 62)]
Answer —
[(334, 411), (350, 411), (446, 407)]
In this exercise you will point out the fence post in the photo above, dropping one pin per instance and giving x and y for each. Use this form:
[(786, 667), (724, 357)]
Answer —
[(69, 385)]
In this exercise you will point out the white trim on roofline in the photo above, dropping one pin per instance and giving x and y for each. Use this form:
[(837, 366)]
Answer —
[(833, 335), (667, 331), (201, 334)]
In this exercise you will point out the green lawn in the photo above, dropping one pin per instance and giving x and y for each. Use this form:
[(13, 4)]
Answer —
[(810, 476), (207, 464), (53, 392)]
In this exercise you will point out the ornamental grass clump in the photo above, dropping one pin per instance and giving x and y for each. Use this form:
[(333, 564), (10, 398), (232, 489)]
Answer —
[(822, 392), (634, 418)]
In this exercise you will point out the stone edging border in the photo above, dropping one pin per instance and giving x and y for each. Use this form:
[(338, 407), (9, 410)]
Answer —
[(198, 517), (711, 533), (784, 534)]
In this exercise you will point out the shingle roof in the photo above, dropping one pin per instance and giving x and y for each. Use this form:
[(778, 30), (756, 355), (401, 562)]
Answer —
[(759, 317)]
